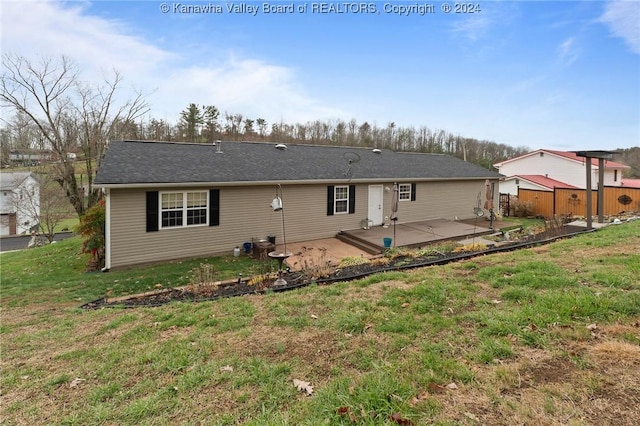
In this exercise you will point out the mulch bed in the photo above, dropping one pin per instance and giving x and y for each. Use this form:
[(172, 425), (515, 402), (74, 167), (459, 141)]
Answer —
[(204, 292)]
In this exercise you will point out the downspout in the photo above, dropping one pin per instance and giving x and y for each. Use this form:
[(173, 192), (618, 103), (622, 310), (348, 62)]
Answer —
[(107, 230)]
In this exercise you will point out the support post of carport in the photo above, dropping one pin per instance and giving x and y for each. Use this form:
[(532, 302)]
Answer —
[(601, 156), (600, 190), (589, 207)]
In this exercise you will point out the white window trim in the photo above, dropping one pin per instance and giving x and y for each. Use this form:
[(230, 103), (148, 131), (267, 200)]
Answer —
[(336, 199), (406, 193), (184, 210)]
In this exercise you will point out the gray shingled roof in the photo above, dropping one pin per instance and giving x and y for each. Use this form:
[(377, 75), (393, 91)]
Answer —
[(141, 162), (11, 180)]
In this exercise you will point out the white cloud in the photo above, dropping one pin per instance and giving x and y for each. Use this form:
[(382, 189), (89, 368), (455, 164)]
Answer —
[(474, 27), (623, 19), (568, 51), (246, 86), (43, 28)]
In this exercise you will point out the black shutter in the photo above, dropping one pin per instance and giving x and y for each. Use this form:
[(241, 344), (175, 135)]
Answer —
[(330, 195), (413, 192), (214, 207), (352, 199), (152, 211)]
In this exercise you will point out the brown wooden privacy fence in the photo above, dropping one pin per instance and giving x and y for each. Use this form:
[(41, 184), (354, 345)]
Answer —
[(573, 202)]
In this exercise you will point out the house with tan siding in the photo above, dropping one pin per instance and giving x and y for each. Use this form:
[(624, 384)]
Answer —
[(167, 200)]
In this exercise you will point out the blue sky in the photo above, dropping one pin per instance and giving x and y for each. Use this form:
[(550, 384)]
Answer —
[(543, 74)]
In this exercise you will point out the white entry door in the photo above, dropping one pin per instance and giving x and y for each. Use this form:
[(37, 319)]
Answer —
[(375, 213)]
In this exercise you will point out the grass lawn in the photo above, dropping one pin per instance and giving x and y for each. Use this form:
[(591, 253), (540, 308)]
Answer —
[(548, 335)]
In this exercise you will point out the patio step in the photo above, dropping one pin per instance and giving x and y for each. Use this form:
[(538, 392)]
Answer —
[(360, 243)]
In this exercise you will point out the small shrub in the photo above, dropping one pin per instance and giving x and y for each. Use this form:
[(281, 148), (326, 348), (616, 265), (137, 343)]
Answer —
[(262, 280), (467, 248), (555, 226), (313, 263), (204, 273), (379, 262), (92, 228), (521, 209), (397, 252), (353, 261)]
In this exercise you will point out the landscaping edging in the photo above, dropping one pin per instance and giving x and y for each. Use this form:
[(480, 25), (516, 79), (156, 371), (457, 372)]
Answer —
[(181, 294)]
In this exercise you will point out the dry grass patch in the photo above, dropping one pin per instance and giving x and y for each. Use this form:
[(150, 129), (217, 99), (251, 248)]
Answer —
[(615, 354), (520, 335)]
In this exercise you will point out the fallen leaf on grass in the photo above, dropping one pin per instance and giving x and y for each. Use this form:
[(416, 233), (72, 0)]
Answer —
[(314, 316), (452, 386), (75, 382), (432, 387), (397, 417), (404, 305), (345, 411), (226, 368), (420, 397), (592, 327), (303, 386)]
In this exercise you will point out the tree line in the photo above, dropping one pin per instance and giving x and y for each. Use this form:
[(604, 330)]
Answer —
[(55, 110), (205, 124)]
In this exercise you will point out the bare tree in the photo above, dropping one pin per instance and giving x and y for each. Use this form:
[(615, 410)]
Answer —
[(49, 205), (248, 127), (262, 127), (158, 130), (69, 114)]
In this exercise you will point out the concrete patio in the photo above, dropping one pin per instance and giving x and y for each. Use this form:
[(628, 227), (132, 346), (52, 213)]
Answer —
[(369, 243)]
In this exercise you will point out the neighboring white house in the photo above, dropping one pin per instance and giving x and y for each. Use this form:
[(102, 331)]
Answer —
[(19, 203), (29, 157), (544, 169), (511, 184)]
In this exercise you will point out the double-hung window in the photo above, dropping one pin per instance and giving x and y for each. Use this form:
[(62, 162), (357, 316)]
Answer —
[(404, 193), (341, 200), (196, 208), (179, 209)]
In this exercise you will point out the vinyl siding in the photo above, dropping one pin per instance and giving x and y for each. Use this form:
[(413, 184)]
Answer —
[(245, 213), (559, 168), (441, 200)]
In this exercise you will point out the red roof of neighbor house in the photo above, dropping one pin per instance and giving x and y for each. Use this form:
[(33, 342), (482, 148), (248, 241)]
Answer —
[(545, 181), (608, 164), (594, 161), (631, 183)]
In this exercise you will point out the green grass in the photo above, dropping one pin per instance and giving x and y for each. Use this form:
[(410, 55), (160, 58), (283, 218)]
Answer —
[(513, 333), (60, 269), (69, 224)]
